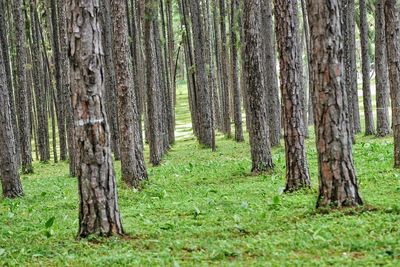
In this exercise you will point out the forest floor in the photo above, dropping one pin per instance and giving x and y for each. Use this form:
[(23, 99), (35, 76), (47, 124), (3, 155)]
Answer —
[(204, 208)]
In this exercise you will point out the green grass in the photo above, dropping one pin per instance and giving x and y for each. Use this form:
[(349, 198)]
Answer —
[(202, 208)]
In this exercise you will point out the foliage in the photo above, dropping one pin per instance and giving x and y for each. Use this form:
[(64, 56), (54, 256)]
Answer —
[(202, 208)]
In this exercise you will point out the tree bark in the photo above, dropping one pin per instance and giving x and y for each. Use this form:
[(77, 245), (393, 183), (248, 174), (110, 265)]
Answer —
[(392, 20), (225, 77), (297, 175), (98, 209), (41, 101), (21, 88), (9, 175), (254, 83), (381, 70), (235, 73), (203, 94), (368, 115), (60, 101), (270, 73), (132, 160), (337, 176)]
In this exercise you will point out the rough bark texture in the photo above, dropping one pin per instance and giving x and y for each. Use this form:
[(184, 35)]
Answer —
[(297, 175), (131, 147), (254, 83), (98, 209), (392, 19), (235, 73), (21, 88), (9, 175), (203, 94), (270, 73), (368, 115), (337, 176), (381, 70)]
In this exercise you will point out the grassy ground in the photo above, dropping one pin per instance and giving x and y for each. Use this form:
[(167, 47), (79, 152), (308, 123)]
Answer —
[(203, 208)]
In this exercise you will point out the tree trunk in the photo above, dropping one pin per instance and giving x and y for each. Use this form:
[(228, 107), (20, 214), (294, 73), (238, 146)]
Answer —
[(381, 70), (392, 20), (270, 74), (235, 72), (254, 83), (225, 76), (42, 131), (203, 94), (132, 160), (60, 101), (297, 175), (9, 175), (21, 88), (98, 212), (369, 117), (337, 176)]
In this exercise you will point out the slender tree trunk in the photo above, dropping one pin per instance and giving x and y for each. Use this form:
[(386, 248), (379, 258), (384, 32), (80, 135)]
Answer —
[(369, 117), (9, 175), (109, 81), (297, 175), (270, 74), (254, 83), (392, 20), (337, 176), (98, 212), (41, 102), (225, 77), (60, 101), (381, 70), (235, 73), (132, 164), (23, 101)]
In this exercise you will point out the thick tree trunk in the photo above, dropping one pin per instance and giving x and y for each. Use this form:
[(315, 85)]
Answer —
[(254, 83), (369, 117), (9, 175), (203, 94), (381, 70), (270, 73), (235, 73), (21, 88), (99, 212), (131, 147), (392, 20), (337, 176), (297, 175)]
